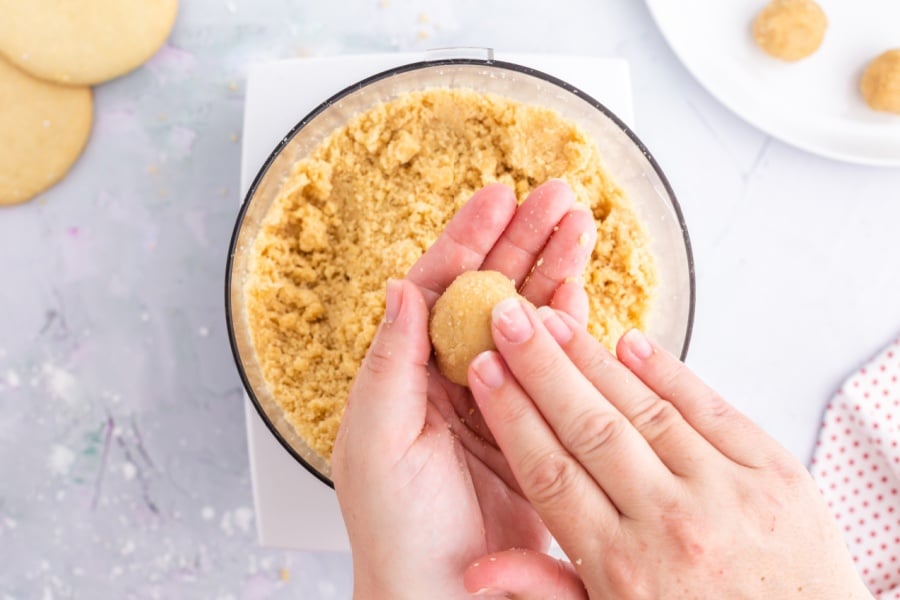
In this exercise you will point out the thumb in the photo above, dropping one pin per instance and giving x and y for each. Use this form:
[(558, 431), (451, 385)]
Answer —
[(523, 574), (388, 398)]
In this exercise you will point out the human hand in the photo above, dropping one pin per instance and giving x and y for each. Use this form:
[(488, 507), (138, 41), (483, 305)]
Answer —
[(422, 486), (653, 485)]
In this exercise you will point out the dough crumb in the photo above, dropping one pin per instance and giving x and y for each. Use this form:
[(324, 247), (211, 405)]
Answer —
[(790, 30), (460, 323), (880, 83)]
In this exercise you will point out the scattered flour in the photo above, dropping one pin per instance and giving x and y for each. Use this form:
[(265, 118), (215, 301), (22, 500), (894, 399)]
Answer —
[(208, 513), (12, 379), (243, 517), (60, 383), (326, 589), (129, 471), (225, 524), (61, 459)]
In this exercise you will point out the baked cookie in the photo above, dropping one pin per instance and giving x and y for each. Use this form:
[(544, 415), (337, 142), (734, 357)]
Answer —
[(460, 324), (83, 42), (790, 29), (43, 128), (880, 83)]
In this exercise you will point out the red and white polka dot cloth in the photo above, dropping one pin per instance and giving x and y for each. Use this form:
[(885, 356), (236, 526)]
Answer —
[(857, 467)]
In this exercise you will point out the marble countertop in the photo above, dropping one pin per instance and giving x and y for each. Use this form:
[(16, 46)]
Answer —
[(123, 460)]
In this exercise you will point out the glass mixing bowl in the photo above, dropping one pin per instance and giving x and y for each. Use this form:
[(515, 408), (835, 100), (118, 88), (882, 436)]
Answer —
[(626, 160)]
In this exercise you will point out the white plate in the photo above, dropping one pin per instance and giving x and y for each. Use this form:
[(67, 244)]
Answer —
[(813, 104)]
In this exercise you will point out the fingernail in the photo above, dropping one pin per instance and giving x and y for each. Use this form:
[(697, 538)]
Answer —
[(511, 320), (638, 344), (558, 328), (394, 297), (489, 370)]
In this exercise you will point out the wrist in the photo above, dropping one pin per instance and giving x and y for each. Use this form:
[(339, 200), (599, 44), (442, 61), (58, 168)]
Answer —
[(376, 584), (410, 584)]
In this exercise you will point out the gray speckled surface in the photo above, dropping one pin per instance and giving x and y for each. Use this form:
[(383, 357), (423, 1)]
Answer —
[(123, 465)]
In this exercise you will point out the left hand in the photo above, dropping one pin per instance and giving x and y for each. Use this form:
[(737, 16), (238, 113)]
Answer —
[(422, 486)]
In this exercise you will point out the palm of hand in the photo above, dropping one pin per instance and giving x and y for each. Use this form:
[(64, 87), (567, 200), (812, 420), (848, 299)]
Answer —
[(469, 492)]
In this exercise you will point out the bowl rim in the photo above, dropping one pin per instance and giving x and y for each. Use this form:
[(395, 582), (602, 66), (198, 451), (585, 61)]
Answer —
[(413, 66)]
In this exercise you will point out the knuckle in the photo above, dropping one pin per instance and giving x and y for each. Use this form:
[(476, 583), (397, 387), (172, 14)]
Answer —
[(689, 535), (655, 418), (512, 413), (594, 432), (595, 364), (545, 369), (674, 373), (379, 360), (789, 471), (549, 478), (717, 407)]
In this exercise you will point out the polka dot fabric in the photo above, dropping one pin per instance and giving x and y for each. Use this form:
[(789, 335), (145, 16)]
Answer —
[(857, 466)]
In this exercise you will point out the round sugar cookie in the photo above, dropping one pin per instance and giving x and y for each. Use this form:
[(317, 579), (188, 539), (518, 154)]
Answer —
[(83, 42), (460, 323), (43, 128)]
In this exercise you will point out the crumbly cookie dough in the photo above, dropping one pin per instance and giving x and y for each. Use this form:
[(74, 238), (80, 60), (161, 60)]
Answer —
[(367, 202), (880, 83), (80, 42), (790, 29), (44, 127), (460, 323)]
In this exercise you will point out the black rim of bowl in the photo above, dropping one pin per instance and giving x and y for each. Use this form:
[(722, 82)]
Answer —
[(389, 73)]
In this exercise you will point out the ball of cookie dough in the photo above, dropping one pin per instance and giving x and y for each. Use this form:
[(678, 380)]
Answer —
[(880, 83), (460, 326), (790, 29)]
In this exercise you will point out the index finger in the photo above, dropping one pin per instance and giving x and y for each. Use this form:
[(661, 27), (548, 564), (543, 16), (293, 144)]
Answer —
[(592, 429), (465, 242), (520, 246)]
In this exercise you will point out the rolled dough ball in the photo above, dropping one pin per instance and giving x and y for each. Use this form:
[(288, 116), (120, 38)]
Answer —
[(880, 83), (790, 29), (43, 128), (460, 325), (83, 42)]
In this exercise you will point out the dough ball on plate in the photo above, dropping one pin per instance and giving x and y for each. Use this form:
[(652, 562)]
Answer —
[(43, 128), (790, 29), (460, 325), (83, 42), (880, 83)]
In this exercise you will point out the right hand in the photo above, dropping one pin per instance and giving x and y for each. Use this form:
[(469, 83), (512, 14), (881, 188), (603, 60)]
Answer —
[(653, 485)]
